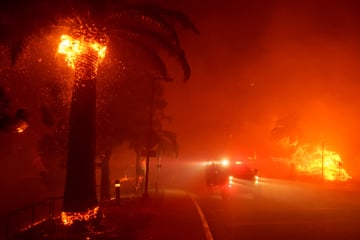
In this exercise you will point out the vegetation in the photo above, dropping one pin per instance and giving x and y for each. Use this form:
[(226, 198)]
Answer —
[(147, 27)]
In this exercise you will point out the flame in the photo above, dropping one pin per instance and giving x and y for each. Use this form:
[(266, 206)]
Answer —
[(21, 126), (72, 48), (316, 161), (68, 218)]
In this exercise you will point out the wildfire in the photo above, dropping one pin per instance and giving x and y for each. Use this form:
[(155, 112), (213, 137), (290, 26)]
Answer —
[(73, 48), (69, 218), (316, 161)]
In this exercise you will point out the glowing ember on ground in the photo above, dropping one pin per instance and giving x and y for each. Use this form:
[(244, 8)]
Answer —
[(69, 218), (21, 126), (72, 48), (316, 161)]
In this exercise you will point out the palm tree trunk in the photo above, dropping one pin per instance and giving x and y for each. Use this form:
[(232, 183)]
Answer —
[(140, 171), (158, 166), (80, 185)]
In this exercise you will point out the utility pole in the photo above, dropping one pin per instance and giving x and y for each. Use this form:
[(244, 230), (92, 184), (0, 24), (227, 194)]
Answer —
[(340, 165), (322, 160), (146, 194)]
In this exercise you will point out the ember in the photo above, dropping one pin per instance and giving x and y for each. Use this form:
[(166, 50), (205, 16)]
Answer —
[(70, 218), (72, 48), (21, 126)]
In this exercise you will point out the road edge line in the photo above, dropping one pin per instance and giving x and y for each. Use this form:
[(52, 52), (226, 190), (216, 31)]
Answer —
[(204, 222)]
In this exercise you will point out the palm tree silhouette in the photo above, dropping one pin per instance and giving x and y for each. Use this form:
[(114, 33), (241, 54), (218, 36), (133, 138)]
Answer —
[(88, 27), (286, 127)]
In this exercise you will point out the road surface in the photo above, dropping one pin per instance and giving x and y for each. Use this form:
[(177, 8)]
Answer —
[(284, 210)]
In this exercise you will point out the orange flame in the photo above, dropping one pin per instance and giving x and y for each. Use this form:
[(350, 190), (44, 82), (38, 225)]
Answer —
[(72, 48), (68, 218), (319, 162), (21, 126)]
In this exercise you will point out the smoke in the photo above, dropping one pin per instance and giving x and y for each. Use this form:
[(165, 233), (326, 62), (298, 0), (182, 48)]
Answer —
[(255, 62)]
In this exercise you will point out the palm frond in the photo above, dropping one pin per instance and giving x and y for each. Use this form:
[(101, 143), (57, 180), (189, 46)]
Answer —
[(20, 19), (184, 63), (144, 21), (171, 16), (156, 60), (167, 142), (156, 41)]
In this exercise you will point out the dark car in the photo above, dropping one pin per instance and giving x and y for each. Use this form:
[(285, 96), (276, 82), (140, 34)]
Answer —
[(229, 177)]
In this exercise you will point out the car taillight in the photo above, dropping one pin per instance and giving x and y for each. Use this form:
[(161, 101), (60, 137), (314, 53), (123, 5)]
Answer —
[(256, 180), (230, 181)]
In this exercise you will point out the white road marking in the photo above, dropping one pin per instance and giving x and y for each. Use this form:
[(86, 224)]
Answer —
[(206, 227)]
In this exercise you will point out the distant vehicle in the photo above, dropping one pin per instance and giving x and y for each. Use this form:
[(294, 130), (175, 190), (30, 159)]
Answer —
[(229, 176)]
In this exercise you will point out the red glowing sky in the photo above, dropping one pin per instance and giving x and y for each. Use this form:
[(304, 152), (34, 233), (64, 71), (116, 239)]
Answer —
[(255, 61)]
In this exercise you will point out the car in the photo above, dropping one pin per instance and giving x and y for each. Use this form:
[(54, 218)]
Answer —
[(229, 177)]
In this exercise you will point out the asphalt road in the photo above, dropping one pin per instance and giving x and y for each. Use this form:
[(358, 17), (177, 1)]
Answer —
[(284, 210), (274, 209)]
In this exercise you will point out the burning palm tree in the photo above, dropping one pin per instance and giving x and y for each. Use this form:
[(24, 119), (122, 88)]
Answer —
[(90, 26), (84, 49)]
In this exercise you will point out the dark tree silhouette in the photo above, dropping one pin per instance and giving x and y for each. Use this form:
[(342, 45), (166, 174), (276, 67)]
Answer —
[(147, 26), (128, 122), (11, 122), (286, 128)]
